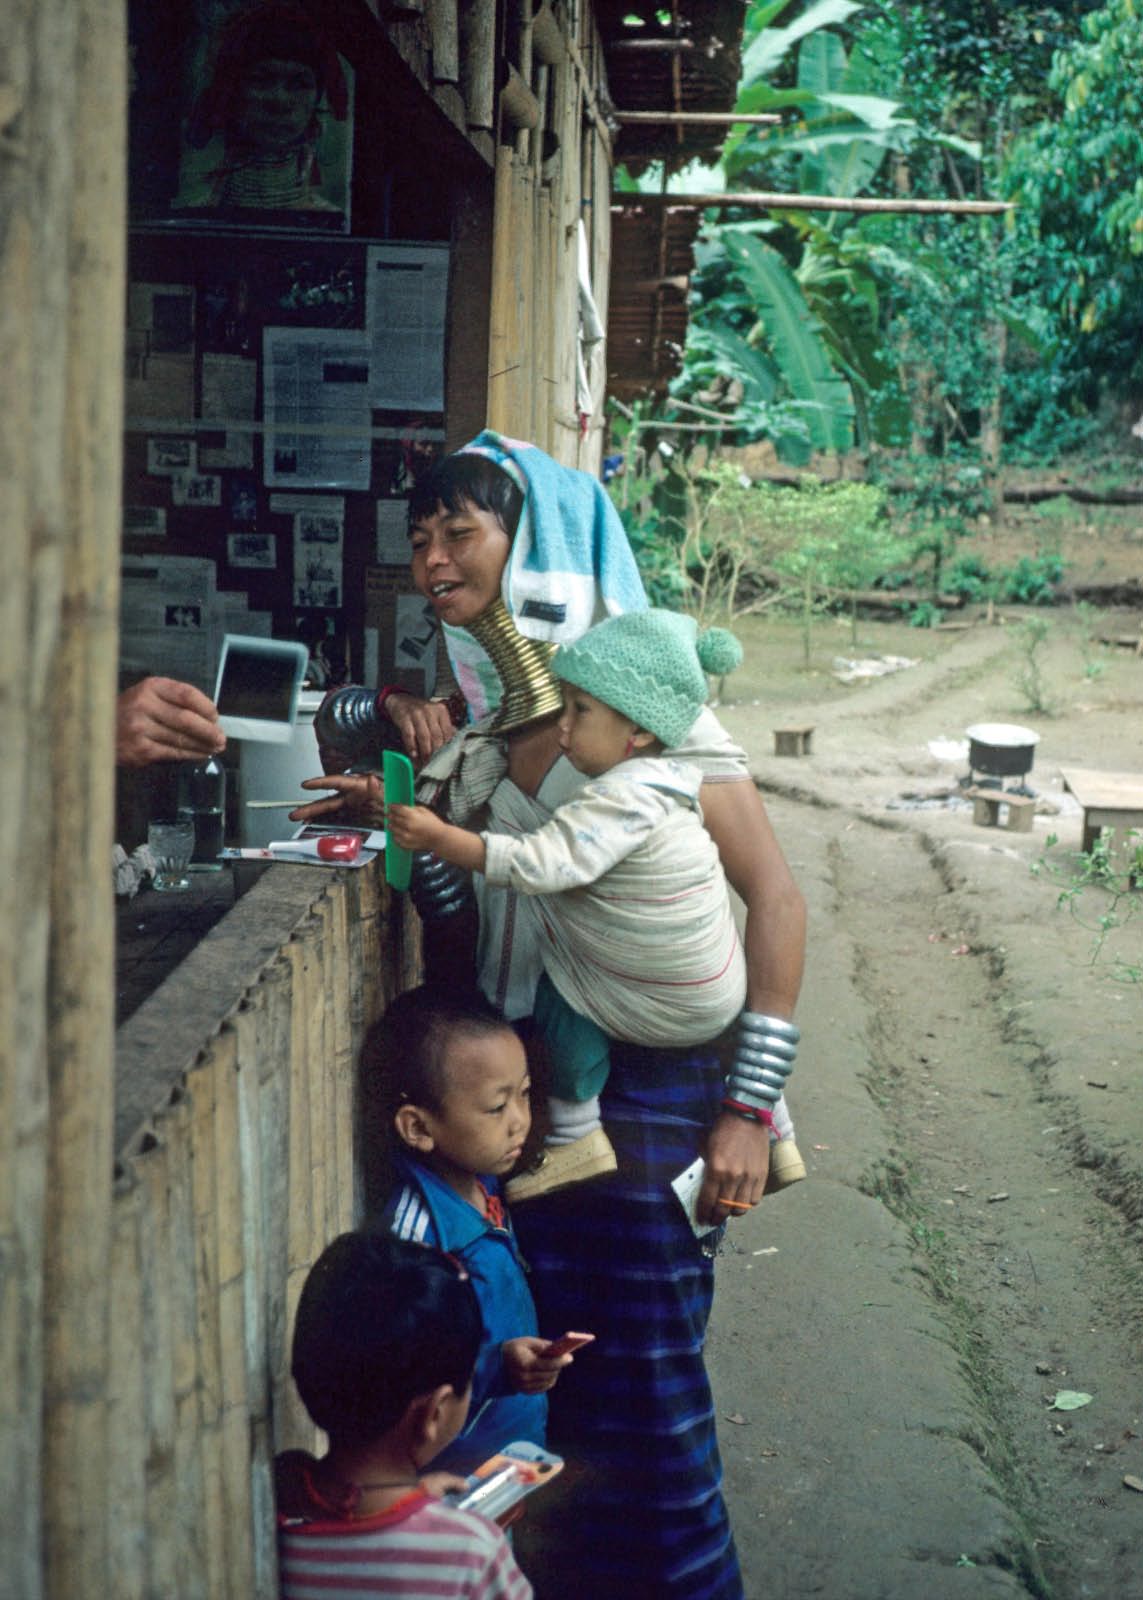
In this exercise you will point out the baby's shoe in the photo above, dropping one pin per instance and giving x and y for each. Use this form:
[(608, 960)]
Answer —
[(562, 1164), (786, 1165)]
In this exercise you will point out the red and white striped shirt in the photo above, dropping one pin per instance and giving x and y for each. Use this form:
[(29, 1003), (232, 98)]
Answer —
[(417, 1549)]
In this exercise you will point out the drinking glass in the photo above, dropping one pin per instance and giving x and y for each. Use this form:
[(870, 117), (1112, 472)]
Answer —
[(171, 844)]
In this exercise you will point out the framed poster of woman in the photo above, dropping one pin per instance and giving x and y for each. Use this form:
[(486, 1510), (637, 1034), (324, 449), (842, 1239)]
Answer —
[(266, 135)]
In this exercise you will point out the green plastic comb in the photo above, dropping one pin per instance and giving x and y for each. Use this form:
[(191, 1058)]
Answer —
[(397, 775)]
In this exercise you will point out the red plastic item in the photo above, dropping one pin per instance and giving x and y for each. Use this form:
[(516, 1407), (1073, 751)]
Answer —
[(339, 846)]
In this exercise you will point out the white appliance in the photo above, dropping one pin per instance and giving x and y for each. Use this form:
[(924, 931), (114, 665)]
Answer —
[(275, 772)]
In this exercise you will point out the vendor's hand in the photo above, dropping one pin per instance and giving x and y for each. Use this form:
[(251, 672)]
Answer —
[(161, 719), (424, 725), (438, 1484), (414, 827), (355, 797), (737, 1164), (528, 1372)]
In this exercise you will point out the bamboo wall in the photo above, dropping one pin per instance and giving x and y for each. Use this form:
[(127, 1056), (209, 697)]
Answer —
[(553, 169), (225, 1193)]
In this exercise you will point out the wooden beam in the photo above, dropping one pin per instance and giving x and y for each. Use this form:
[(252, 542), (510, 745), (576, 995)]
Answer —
[(695, 118), (763, 201)]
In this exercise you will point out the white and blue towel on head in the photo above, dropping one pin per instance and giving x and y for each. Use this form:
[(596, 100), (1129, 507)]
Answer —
[(570, 564)]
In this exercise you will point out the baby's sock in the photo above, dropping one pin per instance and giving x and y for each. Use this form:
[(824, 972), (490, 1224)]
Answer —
[(783, 1124), (572, 1119)]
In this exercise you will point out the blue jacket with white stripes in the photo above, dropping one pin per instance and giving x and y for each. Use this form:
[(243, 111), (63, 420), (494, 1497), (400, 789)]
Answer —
[(424, 1208)]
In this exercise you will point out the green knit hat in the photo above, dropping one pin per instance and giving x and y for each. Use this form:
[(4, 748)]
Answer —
[(651, 666)]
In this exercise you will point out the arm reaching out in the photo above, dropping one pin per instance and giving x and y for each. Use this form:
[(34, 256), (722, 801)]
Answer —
[(161, 719), (418, 828)]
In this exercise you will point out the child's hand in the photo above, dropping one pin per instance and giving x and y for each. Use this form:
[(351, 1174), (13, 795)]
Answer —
[(413, 827), (528, 1370), (439, 1484)]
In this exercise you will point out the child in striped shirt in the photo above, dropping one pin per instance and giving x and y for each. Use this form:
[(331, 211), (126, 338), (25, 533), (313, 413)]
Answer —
[(385, 1343)]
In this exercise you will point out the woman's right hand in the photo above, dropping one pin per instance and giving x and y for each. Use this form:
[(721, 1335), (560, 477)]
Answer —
[(424, 725), (356, 797)]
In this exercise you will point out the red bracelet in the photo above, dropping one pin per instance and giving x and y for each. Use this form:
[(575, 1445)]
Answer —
[(383, 694), (751, 1113)]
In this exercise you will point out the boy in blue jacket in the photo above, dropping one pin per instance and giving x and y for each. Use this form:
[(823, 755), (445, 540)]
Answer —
[(454, 1087)]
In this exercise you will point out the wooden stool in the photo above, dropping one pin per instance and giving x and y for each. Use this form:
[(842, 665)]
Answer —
[(986, 804), (795, 740)]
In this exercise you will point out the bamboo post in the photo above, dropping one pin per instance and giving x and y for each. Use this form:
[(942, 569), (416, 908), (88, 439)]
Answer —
[(124, 1471), (189, 1544), (444, 34), (201, 1086), (231, 1267), (76, 163), (293, 1428), (258, 1073), (276, 1133), (478, 64), (503, 344), (156, 1341)]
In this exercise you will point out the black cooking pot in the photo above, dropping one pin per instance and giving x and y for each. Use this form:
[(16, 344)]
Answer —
[(1001, 749)]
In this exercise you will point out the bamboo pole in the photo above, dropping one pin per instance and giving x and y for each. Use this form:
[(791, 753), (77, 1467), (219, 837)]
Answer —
[(294, 1428), (156, 1343), (201, 1086), (124, 1471), (189, 1544), (478, 63), (714, 119), (72, 663), (766, 201), (444, 34), (231, 1267)]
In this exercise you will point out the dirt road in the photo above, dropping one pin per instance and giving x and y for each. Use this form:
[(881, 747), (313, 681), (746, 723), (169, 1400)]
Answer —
[(890, 1335)]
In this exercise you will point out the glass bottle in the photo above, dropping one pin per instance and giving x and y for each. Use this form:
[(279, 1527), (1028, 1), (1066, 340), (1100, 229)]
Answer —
[(202, 800)]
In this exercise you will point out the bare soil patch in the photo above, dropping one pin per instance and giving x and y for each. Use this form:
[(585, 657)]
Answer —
[(889, 1336)]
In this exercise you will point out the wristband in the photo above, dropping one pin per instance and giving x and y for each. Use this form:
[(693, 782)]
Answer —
[(382, 695), (749, 1113)]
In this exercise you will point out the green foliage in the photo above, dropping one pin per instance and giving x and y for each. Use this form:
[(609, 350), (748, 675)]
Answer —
[(969, 578), (924, 615), (1079, 178), (1031, 637), (1032, 581), (834, 541), (1100, 891)]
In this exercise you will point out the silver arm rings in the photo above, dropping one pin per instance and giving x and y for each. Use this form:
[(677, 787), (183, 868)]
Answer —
[(763, 1058), (438, 888)]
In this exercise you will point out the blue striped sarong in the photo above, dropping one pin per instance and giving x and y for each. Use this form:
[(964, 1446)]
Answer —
[(642, 1514)]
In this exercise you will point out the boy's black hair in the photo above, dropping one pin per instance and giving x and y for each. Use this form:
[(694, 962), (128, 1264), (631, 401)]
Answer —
[(467, 479), (403, 1053), (381, 1321)]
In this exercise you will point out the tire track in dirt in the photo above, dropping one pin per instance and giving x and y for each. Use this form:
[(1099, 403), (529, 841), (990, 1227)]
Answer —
[(1035, 1280)]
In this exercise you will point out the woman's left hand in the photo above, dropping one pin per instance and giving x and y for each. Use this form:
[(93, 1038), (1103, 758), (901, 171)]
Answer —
[(737, 1164)]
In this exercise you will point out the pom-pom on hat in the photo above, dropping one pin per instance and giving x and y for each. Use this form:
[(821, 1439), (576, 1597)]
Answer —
[(650, 665)]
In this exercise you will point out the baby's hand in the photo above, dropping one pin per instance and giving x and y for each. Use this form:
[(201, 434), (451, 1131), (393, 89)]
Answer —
[(529, 1369), (412, 827)]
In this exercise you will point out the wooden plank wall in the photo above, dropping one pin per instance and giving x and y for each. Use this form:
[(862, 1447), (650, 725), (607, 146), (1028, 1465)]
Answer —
[(62, 233), (223, 1199), (548, 176)]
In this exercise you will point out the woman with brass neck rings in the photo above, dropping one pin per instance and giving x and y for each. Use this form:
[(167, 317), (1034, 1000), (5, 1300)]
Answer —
[(533, 550)]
